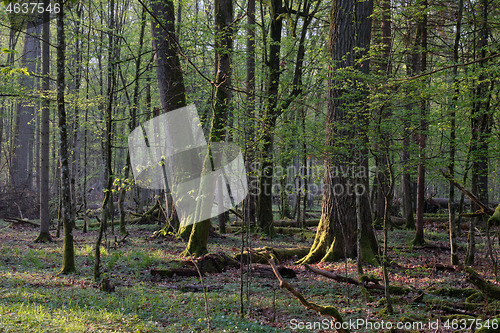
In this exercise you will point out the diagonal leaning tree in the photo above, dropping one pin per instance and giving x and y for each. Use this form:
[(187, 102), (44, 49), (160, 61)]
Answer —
[(345, 191)]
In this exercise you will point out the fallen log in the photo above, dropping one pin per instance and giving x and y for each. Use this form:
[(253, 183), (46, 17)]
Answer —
[(146, 217), (209, 263), (486, 287), (280, 254), (16, 220), (171, 272)]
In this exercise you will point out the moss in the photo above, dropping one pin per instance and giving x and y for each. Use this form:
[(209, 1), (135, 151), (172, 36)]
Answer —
[(475, 298), (366, 295), (486, 287), (318, 248), (368, 255), (43, 237), (68, 250), (495, 218), (473, 306), (185, 231), (198, 240), (369, 278), (399, 290)]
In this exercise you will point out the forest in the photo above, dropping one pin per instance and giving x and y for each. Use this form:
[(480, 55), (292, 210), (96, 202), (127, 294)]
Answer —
[(243, 165)]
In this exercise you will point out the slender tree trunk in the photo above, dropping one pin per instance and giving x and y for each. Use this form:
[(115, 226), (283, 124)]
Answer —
[(107, 204), (45, 133), (453, 144), (250, 114), (68, 265), (422, 136), (383, 140), (223, 13), (265, 202), (481, 119)]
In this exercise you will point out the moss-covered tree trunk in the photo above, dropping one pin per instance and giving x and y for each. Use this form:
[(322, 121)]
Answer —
[(198, 239), (270, 114), (347, 161), (68, 264)]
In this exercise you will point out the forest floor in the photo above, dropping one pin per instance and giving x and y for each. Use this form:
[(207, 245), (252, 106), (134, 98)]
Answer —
[(35, 298)]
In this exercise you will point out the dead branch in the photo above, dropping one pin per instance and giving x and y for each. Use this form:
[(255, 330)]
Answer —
[(323, 310), (483, 208)]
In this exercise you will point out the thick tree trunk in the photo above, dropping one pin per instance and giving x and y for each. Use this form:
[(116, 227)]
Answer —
[(22, 160), (346, 166), (168, 71), (168, 66)]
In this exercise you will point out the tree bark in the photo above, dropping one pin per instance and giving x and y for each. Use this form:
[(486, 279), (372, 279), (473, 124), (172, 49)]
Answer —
[(422, 135), (349, 40), (453, 144), (481, 119), (168, 71), (68, 265), (24, 130), (45, 133), (269, 117), (250, 201), (223, 13)]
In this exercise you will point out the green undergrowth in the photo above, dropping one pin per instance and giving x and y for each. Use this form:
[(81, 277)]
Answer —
[(34, 298)]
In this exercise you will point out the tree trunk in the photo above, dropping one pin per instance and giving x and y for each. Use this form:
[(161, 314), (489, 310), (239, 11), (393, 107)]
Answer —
[(168, 70), (250, 114), (107, 205), (453, 144), (346, 165), (22, 160), (382, 139), (45, 134), (269, 117), (422, 135), (481, 120), (223, 13), (68, 265)]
